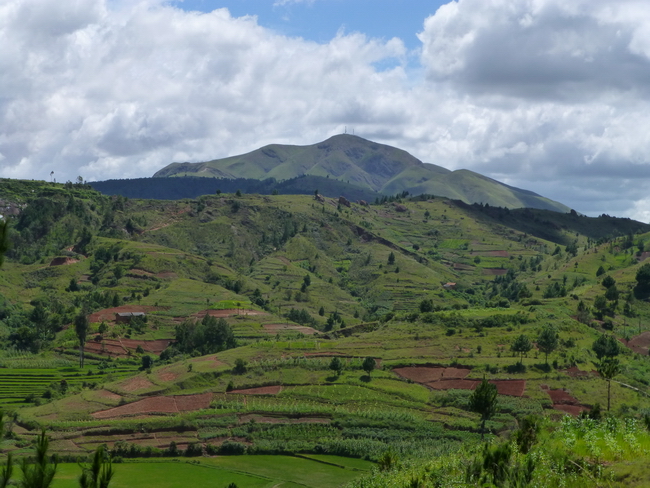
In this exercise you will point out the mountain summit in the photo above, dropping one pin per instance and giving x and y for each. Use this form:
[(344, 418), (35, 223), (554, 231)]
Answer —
[(368, 164)]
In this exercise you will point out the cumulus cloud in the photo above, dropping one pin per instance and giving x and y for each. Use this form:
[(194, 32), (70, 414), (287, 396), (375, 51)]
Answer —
[(542, 94)]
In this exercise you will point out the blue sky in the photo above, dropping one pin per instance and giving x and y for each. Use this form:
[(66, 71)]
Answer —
[(320, 20)]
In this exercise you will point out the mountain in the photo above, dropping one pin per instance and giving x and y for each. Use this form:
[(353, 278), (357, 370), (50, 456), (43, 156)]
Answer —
[(378, 167)]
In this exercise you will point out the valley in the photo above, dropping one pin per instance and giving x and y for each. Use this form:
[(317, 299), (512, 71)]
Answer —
[(251, 336)]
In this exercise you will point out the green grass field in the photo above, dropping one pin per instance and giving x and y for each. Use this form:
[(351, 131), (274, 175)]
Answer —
[(218, 472)]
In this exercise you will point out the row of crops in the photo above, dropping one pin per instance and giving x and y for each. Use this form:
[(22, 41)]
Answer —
[(20, 386)]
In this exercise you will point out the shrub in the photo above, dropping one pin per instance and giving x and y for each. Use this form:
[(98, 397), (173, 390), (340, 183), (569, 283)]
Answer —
[(231, 448)]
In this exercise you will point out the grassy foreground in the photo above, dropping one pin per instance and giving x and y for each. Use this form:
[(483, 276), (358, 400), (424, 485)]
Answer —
[(245, 471)]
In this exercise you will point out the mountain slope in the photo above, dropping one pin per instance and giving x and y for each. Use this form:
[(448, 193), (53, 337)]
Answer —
[(378, 167)]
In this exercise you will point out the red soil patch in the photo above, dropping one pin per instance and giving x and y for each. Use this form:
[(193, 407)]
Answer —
[(62, 261), (574, 410), (108, 395), (262, 390), (157, 346), (160, 404), (640, 343), (510, 387), (561, 397), (168, 376), (644, 255), (136, 383), (498, 254), (438, 378), (574, 372), (109, 347), (453, 384), (121, 347), (208, 359), (495, 271), (427, 374), (564, 402), (275, 328)]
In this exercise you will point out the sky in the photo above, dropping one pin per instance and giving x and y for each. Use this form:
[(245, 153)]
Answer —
[(546, 95)]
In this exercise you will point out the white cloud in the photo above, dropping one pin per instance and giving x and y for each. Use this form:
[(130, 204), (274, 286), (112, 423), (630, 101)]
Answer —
[(543, 94), (280, 3)]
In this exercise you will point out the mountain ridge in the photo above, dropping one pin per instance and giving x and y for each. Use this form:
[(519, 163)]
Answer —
[(378, 167)]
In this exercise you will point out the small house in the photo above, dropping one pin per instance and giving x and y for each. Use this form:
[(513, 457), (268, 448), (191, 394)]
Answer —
[(449, 286), (126, 317)]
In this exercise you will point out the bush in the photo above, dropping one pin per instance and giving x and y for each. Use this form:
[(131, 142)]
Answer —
[(194, 449), (231, 448)]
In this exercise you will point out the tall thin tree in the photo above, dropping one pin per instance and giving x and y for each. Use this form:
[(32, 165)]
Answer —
[(81, 329), (484, 402), (4, 239), (99, 473), (607, 369), (40, 473)]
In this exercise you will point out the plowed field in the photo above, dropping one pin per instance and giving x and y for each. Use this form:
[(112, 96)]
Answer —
[(160, 404)]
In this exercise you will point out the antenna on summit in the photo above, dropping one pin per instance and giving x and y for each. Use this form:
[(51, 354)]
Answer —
[(346, 130)]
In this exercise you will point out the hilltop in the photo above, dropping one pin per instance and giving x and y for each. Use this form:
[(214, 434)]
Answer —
[(370, 165)]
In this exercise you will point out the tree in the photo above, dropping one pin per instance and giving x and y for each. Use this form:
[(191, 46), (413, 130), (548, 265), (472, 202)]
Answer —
[(240, 366), (99, 473), (368, 365), (642, 288), (612, 293), (600, 271), (606, 346), (521, 346), (81, 329), (73, 286), (391, 258), (572, 248), (6, 471), (608, 368), (547, 341), (4, 239), (336, 365), (600, 304), (40, 473), (426, 305), (484, 402), (608, 281), (147, 362), (584, 314)]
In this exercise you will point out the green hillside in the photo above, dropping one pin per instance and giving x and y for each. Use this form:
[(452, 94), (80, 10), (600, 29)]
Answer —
[(260, 314), (367, 164)]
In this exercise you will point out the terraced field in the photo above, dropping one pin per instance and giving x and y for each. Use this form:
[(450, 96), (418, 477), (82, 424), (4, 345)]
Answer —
[(20, 386)]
